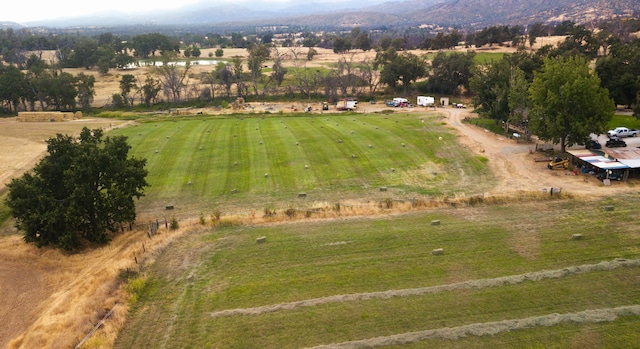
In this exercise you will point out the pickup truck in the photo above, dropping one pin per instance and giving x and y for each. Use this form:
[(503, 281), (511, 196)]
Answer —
[(621, 132)]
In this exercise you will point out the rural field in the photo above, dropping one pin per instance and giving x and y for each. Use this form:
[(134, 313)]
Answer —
[(415, 230), (510, 276), (257, 162), (381, 229), (510, 272)]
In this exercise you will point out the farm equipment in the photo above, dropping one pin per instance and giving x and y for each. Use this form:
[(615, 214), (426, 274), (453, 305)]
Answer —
[(558, 163)]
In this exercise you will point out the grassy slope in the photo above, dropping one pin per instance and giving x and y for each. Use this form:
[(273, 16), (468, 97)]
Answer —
[(237, 153), (226, 269)]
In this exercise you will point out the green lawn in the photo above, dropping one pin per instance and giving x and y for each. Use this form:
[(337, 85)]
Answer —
[(624, 120), (254, 162)]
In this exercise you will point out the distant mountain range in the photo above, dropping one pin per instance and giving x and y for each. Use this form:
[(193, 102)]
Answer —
[(457, 13)]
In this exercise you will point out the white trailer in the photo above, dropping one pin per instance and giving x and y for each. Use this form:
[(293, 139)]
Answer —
[(426, 101), (347, 104)]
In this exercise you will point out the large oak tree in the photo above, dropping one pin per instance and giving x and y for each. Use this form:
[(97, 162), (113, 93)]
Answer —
[(82, 191), (568, 103)]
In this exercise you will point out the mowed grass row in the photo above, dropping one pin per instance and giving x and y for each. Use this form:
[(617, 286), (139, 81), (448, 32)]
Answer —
[(200, 164), (225, 269)]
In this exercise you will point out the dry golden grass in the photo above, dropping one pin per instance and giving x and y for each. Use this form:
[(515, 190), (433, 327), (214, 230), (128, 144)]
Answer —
[(80, 289)]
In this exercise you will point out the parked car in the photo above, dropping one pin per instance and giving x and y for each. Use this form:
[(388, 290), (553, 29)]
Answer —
[(592, 144), (615, 142), (609, 174)]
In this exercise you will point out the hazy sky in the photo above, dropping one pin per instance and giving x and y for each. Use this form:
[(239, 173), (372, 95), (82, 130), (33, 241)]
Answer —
[(23, 11)]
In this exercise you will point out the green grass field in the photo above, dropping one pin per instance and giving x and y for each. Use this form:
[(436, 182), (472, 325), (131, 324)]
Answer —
[(255, 162), (321, 282), (224, 269)]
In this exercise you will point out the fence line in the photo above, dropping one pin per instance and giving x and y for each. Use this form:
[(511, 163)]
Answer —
[(95, 328)]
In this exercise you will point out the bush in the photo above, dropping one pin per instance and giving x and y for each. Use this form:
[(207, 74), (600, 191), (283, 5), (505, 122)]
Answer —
[(174, 224), (215, 216)]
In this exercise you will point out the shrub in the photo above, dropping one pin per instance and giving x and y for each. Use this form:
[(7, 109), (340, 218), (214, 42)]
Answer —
[(216, 215), (174, 224)]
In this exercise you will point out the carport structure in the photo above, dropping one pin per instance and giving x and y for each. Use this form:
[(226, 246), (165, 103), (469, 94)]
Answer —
[(624, 160)]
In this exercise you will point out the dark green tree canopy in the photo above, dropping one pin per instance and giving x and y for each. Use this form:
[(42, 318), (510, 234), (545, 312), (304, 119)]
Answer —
[(568, 103), (81, 192), (620, 73), (405, 68), (451, 72)]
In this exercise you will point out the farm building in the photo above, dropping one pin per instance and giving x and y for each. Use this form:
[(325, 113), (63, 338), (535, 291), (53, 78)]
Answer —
[(626, 160)]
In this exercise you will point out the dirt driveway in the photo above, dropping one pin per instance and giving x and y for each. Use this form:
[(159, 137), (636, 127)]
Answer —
[(514, 163)]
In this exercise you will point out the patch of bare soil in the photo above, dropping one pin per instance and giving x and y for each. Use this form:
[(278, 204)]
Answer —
[(471, 284), (22, 144), (514, 163), (491, 328)]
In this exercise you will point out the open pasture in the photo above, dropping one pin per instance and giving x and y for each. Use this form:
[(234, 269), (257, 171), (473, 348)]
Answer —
[(506, 273), (255, 162)]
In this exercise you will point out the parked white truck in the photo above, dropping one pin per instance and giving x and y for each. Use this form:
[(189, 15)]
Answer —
[(620, 132)]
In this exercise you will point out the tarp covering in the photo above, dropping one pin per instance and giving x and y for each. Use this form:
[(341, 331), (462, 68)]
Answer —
[(603, 162), (632, 163), (610, 165)]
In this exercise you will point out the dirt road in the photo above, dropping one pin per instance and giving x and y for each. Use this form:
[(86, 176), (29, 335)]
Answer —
[(514, 163)]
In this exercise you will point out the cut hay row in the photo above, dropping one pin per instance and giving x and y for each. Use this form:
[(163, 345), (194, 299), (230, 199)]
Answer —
[(491, 328), (471, 284)]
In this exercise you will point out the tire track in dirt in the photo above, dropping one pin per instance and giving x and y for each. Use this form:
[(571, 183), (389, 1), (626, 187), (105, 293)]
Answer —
[(491, 328), (471, 284)]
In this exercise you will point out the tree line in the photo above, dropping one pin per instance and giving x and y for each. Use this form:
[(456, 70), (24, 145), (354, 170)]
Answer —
[(36, 84)]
